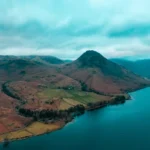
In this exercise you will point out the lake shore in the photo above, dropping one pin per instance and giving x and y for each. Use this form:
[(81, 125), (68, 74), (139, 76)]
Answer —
[(35, 129), (39, 128), (128, 124)]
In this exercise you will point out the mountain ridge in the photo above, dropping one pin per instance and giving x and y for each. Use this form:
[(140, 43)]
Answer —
[(140, 67)]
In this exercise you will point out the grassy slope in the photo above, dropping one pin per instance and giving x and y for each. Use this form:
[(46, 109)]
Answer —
[(79, 96)]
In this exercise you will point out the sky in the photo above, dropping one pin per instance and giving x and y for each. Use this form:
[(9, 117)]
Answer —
[(67, 28)]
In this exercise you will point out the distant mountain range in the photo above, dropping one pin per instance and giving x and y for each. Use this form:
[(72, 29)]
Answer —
[(39, 59), (94, 70), (140, 67)]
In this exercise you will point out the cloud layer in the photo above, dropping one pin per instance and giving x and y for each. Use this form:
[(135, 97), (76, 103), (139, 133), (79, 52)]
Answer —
[(67, 28)]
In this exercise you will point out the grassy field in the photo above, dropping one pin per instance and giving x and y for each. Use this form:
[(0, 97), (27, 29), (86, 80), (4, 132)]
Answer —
[(19, 134), (72, 97), (38, 128), (34, 129), (65, 99)]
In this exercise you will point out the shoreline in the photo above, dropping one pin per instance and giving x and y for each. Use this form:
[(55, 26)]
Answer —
[(59, 124), (6, 135)]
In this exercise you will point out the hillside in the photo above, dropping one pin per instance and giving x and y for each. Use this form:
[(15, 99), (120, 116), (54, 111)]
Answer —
[(102, 75), (140, 67)]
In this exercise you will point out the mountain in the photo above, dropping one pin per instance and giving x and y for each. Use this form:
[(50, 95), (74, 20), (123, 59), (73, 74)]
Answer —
[(44, 89), (102, 75), (48, 59), (140, 67), (91, 70), (38, 59)]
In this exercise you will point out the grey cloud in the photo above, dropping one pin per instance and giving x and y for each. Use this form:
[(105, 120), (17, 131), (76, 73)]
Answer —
[(130, 30)]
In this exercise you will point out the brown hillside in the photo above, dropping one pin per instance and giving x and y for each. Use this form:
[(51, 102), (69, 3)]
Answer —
[(102, 75)]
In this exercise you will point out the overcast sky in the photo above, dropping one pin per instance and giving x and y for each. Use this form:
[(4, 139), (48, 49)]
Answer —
[(67, 28)]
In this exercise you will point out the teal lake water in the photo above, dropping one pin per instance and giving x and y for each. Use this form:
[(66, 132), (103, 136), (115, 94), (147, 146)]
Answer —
[(121, 127)]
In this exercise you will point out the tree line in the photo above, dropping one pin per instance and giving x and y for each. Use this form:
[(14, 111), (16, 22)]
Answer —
[(120, 99), (6, 90), (52, 114)]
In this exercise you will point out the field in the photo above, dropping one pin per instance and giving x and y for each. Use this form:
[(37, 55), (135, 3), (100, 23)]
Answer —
[(33, 95), (40, 96), (34, 129), (37, 96), (38, 128), (13, 126), (72, 97)]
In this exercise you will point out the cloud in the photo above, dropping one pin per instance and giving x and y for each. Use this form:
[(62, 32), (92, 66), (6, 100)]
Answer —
[(131, 30), (67, 28)]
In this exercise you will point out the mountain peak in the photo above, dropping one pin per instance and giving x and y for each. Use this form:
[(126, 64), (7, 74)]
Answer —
[(92, 58), (92, 53)]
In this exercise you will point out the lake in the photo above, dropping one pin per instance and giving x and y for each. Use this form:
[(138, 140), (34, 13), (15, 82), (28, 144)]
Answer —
[(121, 127)]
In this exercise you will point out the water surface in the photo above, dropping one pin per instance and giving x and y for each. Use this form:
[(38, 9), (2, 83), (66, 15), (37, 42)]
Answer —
[(121, 127)]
